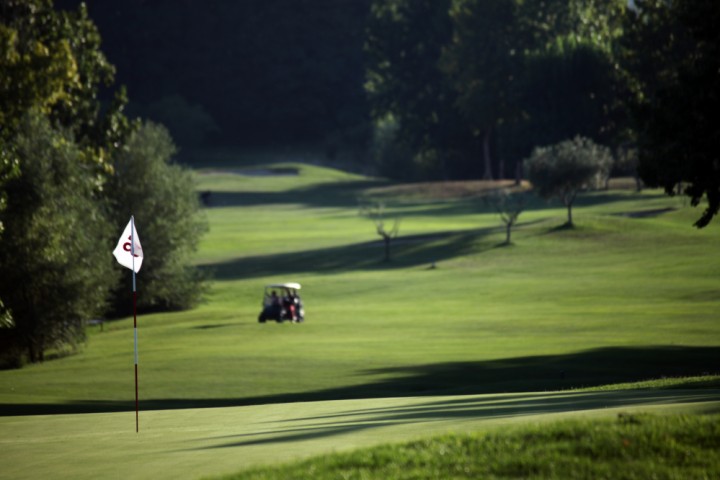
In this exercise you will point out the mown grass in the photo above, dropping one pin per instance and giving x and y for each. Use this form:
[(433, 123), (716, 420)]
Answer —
[(629, 447), (619, 298), (630, 294), (189, 443)]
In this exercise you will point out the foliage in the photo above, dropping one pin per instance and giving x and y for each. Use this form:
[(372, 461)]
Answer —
[(162, 197), (392, 158), (189, 123), (492, 79), (60, 145), (37, 61), (484, 62), (52, 63), (405, 83), (675, 101), (9, 168), (54, 275), (564, 169)]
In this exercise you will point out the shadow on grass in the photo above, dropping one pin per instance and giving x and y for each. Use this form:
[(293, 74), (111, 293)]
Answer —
[(486, 408), (331, 194), (407, 251), (347, 193), (513, 375)]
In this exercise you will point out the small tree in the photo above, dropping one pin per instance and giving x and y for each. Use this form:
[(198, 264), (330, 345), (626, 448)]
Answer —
[(376, 213), (564, 169), (509, 207)]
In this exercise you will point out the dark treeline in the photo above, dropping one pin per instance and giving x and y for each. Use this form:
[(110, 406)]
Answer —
[(450, 88), (428, 89), (241, 72)]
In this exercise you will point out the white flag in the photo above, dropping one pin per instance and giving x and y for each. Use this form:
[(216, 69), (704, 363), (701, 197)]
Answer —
[(128, 251)]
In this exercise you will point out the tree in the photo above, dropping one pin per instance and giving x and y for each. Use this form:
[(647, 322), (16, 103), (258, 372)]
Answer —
[(56, 271), (407, 87), (55, 144), (509, 207), (52, 63), (484, 61), (162, 198), (534, 72), (564, 169), (676, 105), (376, 213)]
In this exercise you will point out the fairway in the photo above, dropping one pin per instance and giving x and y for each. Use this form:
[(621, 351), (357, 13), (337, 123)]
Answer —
[(188, 444), (389, 351)]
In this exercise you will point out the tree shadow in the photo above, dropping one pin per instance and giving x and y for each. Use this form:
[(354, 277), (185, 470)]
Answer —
[(407, 251), (562, 228), (588, 368), (486, 408), (346, 194), (334, 194)]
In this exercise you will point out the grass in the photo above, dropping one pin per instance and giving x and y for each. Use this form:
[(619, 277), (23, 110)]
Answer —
[(194, 443), (629, 447), (630, 294), (616, 299)]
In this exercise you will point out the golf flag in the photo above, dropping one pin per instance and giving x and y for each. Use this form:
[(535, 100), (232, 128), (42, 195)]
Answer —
[(129, 254), (129, 251)]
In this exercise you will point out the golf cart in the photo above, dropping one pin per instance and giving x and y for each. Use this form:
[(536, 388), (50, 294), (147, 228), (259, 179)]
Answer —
[(281, 302)]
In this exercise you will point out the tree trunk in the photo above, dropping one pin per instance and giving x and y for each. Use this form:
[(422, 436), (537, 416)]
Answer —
[(387, 248), (487, 174), (508, 228), (570, 220)]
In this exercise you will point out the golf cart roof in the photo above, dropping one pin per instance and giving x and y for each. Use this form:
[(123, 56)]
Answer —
[(291, 285)]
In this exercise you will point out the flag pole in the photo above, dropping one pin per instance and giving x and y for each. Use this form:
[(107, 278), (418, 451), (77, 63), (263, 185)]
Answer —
[(132, 254)]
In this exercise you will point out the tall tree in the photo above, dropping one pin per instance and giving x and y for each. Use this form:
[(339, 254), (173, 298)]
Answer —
[(673, 56), (50, 71), (56, 271), (406, 85), (484, 61), (534, 72), (52, 62), (64, 163)]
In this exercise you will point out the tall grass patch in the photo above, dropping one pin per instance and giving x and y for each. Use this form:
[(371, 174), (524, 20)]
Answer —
[(631, 446)]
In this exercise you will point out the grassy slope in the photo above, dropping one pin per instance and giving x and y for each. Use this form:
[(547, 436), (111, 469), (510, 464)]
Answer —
[(631, 447), (617, 299)]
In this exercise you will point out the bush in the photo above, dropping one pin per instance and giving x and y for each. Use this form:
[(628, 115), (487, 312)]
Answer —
[(162, 197)]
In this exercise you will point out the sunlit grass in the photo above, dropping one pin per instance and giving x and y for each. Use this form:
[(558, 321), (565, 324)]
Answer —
[(629, 294), (606, 302), (630, 447)]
